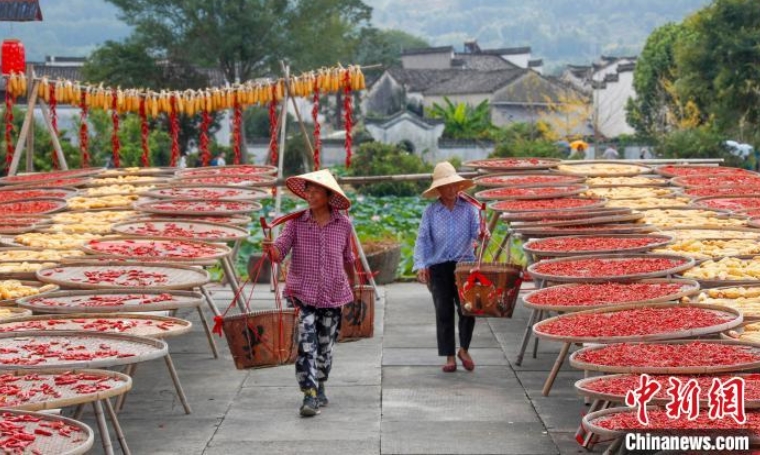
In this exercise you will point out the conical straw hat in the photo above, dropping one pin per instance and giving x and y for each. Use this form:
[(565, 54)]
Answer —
[(444, 174), (323, 177)]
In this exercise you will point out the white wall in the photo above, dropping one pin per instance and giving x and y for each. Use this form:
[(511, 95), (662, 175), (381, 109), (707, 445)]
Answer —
[(520, 60), (610, 103)]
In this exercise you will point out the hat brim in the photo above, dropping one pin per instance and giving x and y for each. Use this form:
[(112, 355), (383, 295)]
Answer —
[(337, 199), (464, 184)]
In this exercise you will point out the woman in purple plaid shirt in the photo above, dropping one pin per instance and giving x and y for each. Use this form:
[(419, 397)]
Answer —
[(321, 262)]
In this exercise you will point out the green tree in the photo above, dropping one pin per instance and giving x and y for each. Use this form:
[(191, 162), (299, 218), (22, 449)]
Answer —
[(525, 139), (700, 142), (655, 71), (462, 121), (248, 38), (718, 63), (130, 152), (374, 158), (384, 47)]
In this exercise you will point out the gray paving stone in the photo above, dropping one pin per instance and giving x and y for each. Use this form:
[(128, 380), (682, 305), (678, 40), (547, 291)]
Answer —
[(429, 357), (465, 438), (412, 335), (336, 446), (501, 378)]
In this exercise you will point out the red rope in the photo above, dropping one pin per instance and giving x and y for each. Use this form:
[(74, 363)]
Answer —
[(10, 100), (203, 145), (84, 137), (53, 120), (174, 130), (145, 158), (237, 121), (115, 143), (347, 112), (317, 128)]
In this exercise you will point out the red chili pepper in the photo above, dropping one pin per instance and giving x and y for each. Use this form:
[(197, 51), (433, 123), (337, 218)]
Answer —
[(670, 355), (542, 204), (593, 268), (592, 243)]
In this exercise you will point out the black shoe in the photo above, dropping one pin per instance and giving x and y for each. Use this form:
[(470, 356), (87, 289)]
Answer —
[(310, 406), (322, 399)]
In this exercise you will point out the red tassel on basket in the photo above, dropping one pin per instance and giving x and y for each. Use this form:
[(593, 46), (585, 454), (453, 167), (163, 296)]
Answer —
[(115, 143), (145, 158), (347, 112), (84, 137), (218, 322)]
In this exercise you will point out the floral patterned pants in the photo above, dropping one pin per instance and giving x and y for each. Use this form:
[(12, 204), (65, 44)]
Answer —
[(317, 332)]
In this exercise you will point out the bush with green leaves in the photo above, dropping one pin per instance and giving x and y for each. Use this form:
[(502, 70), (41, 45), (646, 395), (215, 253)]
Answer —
[(700, 142), (374, 158), (525, 139)]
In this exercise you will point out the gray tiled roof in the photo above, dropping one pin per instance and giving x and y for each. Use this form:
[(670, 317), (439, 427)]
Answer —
[(468, 81), (484, 62), (20, 10), (428, 50), (419, 80)]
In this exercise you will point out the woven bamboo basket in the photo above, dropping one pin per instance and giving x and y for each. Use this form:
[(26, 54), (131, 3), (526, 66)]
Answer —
[(513, 164), (78, 443), (650, 369), (592, 220), (357, 318), (597, 229), (222, 232), (186, 192), (582, 387), (541, 192), (489, 290), (509, 179), (261, 339), (221, 251), (64, 302), (689, 287), (148, 325), (658, 241), (736, 320)]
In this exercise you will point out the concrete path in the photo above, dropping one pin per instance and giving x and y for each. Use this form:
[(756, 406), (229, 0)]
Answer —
[(388, 395)]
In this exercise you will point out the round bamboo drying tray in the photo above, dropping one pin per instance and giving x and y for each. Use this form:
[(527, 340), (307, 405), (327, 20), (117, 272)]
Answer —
[(244, 207), (674, 335), (654, 182), (193, 191), (29, 274), (131, 349), (714, 181), (582, 384), (112, 301), (136, 241), (702, 202), (97, 260), (563, 215), (232, 220), (600, 229), (233, 169), (227, 180), (57, 206), (35, 284), (513, 164), (79, 442), (514, 180), (686, 263), (141, 180), (138, 171), (183, 230), (73, 276), (702, 369), (588, 204), (13, 314), (720, 233), (590, 425), (624, 218), (42, 177), (537, 192), (46, 193), (735, 333), (689, 287), (664, 170), (118, 383), (635, 169), (658, 241), (148, 325), (749, 316)]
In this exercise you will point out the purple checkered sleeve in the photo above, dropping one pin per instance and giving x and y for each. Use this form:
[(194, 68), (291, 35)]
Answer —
[(316, 275)]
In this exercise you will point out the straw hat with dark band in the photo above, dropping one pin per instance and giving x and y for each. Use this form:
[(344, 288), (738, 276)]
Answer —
[(323, 178), (445, 174)]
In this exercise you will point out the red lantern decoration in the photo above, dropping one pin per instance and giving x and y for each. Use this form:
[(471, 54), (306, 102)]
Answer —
[(13, 56)]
